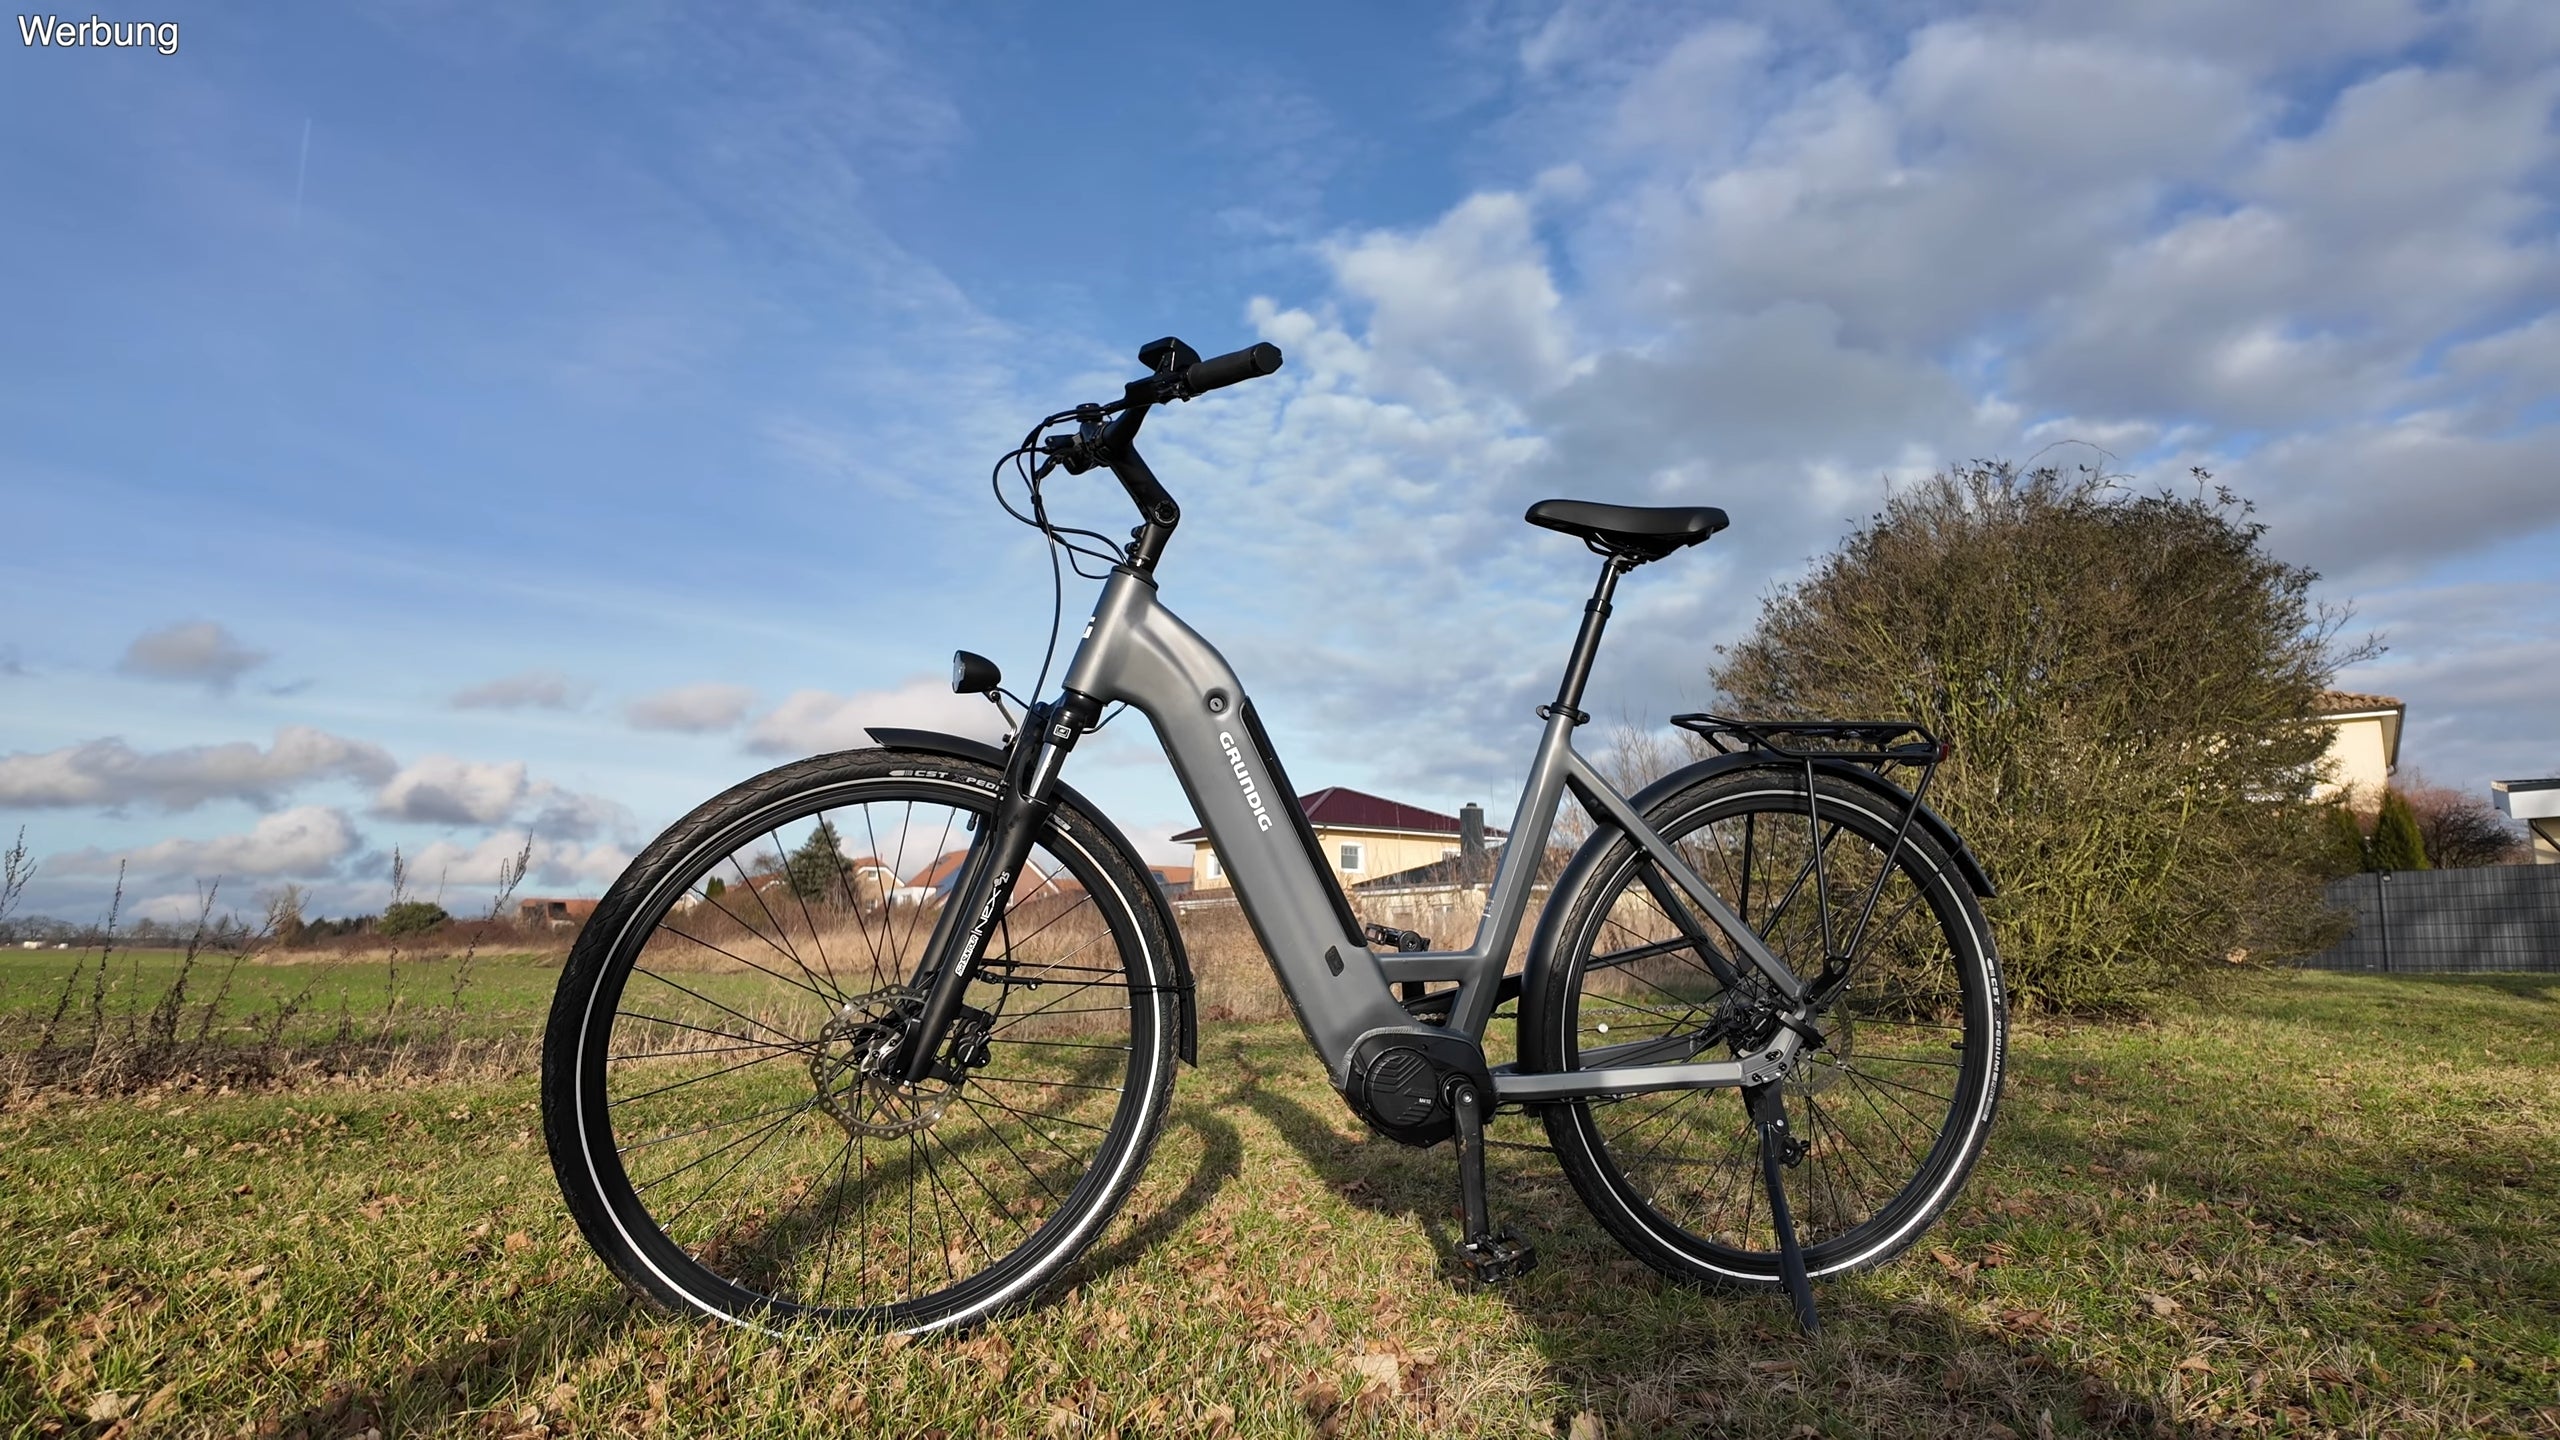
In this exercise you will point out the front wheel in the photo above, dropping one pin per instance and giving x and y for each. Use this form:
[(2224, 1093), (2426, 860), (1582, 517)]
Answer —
[(1891, 1109), (715, 1087)]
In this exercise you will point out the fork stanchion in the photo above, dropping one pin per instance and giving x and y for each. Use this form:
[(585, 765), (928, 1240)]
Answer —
[(1778, 1150)]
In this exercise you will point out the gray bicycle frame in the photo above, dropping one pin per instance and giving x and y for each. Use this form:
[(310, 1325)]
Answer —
[(1138, 652)]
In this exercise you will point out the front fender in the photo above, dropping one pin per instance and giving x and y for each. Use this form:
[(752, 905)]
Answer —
[(960, 747), (1551, 921)]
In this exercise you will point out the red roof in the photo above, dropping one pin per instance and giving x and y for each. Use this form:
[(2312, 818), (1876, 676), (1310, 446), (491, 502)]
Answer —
[(933, 874), (1338, 807)]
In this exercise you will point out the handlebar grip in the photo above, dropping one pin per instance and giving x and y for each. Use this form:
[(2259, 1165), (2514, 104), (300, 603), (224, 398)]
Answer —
[(1224, 370)]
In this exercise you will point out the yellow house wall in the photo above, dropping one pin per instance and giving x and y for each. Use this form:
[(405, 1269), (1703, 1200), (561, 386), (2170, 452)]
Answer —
[(2360, 766), (1385, 854)]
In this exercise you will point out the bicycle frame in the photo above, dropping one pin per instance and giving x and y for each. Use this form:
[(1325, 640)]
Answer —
[(1137, 651)]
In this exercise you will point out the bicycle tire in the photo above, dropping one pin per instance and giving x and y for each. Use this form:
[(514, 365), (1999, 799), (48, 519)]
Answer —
[(1030, 1145), (1615, 967)]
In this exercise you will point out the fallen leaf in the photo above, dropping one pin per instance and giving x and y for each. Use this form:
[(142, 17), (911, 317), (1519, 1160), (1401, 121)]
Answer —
[(2193, 1362), (1586, 1426), (1379, 1370), (110, 1405), (2026, 1322), (2160, 1304)]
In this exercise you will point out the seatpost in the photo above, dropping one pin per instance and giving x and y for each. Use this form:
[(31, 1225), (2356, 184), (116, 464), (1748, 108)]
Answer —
[(1586, 645)]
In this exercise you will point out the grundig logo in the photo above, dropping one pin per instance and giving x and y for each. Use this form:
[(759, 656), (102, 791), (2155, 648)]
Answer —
[(1252, 796)]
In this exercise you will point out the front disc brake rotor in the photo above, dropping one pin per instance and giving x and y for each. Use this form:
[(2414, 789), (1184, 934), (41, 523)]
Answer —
[(850, 1061)]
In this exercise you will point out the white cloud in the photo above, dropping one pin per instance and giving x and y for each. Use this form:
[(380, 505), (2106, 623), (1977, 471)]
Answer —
[(1469, 297), (553, 864), (691, 709), (524, 690), (109, 772), (811, 722), (197, 652), (307, 841), (443, 790)]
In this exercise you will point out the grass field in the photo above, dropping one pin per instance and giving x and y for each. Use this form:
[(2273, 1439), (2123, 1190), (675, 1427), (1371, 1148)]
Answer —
[(2330, 1205)]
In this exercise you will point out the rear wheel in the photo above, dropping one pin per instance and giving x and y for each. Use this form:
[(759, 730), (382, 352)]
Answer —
[(714, 1086), (1892, 1108)]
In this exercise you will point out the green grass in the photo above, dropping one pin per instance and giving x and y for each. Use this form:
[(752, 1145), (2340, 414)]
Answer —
[(2329, 1205), (499, 989)]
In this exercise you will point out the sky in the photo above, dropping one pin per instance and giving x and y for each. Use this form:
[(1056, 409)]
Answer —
[(427, 425)]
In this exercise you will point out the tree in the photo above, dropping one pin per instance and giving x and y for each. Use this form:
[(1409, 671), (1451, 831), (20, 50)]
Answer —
[(816, 870), (2396, 842), (411, 917), (2458, 829), (284, 916), (2125, 679)]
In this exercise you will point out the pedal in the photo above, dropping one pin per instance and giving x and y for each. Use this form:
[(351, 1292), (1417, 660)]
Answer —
[(1496, 1259), (1406, 941)]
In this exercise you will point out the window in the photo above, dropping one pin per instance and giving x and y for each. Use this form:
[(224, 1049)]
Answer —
[(1354, 855), (1208, 864)]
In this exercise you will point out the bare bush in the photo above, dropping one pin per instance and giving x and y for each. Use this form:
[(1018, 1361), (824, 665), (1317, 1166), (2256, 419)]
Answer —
[(2459, 829)]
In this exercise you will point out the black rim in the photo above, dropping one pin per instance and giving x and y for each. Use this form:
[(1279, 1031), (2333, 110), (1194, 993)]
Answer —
[(1884, 1107), (727, 1113)]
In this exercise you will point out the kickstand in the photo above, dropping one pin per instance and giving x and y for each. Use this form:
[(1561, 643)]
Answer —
[(1780, 1149), (1487, 1258)]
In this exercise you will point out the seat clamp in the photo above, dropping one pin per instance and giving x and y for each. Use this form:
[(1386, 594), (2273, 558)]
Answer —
[(1547, 712)]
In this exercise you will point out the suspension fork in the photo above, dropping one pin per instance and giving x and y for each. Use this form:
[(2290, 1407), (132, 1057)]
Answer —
[(979, 896)]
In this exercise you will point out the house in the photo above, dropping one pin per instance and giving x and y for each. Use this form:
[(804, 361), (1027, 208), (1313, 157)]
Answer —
[(2364, 746), (932, 884), (1173, 880), (2537, 804), (1361, 836), (555, 914)]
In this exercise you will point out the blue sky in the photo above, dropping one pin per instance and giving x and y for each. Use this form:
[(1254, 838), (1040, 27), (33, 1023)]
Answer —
[(424, 423)]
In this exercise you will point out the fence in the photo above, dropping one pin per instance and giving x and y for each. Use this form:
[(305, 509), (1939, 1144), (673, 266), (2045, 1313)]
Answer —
[(2494, 917)]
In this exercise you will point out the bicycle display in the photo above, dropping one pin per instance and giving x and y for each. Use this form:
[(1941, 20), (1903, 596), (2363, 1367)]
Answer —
[(1760, 1017)]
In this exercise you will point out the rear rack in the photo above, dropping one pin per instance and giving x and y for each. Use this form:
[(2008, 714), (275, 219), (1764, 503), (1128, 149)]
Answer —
[(1872, 743)]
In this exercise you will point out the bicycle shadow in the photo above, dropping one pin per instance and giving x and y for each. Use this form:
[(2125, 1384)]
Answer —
[(1676, 1356)]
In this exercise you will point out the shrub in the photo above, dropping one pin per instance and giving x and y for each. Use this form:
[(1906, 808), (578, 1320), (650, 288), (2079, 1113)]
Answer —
[(2126, 680), (411, 917), (2458, 829)]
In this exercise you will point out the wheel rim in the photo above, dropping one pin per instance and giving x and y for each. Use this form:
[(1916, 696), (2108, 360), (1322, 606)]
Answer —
[(1885, 1107), (734, 1111)]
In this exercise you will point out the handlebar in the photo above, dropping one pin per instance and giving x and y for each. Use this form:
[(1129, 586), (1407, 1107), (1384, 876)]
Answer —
[(1180, 374), (1229, 369)]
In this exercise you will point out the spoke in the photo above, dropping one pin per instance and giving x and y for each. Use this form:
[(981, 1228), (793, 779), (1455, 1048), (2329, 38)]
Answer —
[(816, 941), (780, 935), (1027, 1167), (995, 1201), (835, 1223), (714, 1125), (1886, 1121), (1026, 1117), (759, 1136), (796, 1041), (1062, 1084), (795, 1044), (832, 997), (695, 1080), (704, 1050), (1949, 1098)]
